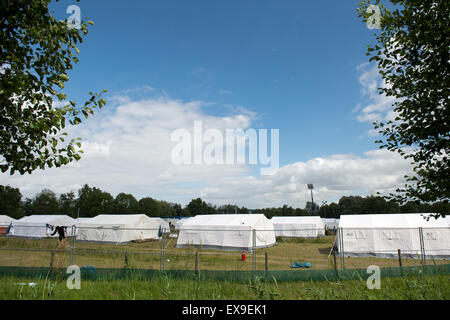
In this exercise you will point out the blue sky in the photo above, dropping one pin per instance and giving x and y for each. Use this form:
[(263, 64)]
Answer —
[(297, 66), (292, 62)]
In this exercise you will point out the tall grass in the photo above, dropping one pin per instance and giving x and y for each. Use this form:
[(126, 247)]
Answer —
[(164, 287)]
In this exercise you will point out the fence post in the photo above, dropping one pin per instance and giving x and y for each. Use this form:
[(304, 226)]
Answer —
[(254, 250), (266, 256), (341, 247), (72, 245), (126, 259), (52, 258), (161, 263), (196, 262), (334, 258), (400, 258), (422, 247)]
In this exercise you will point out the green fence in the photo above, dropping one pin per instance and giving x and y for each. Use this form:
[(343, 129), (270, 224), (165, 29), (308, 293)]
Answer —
[(89, 273)]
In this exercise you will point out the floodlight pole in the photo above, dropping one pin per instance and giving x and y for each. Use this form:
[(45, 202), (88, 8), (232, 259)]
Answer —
[(324, 203), (310, 187)]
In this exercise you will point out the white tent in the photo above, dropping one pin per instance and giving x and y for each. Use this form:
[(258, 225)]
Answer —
[(119, 228), (298, 227), (447, 218), (39, 226), (179, 223), (163, 223), (383, 234), (227, 232), (5, 220), (331, 223)]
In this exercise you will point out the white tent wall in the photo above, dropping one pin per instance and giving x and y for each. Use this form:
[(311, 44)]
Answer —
[(227, 232), (180, 222), (163, 223), (298, 227), (6, 220), (447, 218), (119, 228), (35, 226), (382, 235)]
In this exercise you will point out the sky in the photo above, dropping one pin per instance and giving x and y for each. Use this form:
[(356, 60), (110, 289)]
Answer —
[(298, 67)]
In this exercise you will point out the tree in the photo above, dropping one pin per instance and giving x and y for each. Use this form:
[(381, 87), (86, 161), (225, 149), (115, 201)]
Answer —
[(149, 206), (36, 53), (231, 209), (312, 208), (67, 204), (350, 205), (45, 202), (155, 208), (178, 210), (412, 55), (167, 210), (198, 206), (10, 202), (94, 201), (125, 204)]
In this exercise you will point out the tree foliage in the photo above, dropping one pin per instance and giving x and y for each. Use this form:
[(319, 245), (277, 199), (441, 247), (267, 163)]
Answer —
[(198, 206), (92, 201), (412, 55), (10, 201), (36, 54), (125, 204)]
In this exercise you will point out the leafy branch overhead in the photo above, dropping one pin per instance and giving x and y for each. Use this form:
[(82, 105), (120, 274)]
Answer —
[(412, 55), (36, 53)]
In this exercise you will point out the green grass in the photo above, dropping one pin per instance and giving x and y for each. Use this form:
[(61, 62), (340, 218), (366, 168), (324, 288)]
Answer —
[(417, 287), (146, 255)]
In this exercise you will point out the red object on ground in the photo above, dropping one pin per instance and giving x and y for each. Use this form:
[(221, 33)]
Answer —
[(243, 256)]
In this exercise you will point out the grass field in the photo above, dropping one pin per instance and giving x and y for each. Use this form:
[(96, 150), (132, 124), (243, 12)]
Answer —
[(414, 287), (146, 255)]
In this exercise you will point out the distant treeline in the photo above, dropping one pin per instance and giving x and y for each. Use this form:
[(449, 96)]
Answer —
[(91, 201)]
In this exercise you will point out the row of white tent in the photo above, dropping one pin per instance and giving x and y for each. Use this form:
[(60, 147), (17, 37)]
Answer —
[(244, 231), (102, 228), (304, 226), (362, 235), (382, 235)]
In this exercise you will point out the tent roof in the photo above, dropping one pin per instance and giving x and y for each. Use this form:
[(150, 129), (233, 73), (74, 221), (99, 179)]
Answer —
[(47, 218), (298, 220), (330, 219), (224, 220), (400, 220), (117, 218), (5, 218)]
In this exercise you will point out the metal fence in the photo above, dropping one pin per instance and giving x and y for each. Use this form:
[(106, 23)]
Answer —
[(416, 244), (224, 249)]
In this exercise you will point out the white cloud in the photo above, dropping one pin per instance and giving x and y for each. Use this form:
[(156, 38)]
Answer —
[(378, 106), (333, 177), (128, 149)]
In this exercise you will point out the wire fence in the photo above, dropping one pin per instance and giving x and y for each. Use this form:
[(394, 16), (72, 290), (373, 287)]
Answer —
[(232, 249)]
